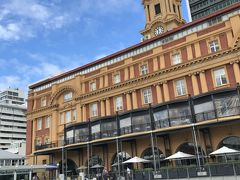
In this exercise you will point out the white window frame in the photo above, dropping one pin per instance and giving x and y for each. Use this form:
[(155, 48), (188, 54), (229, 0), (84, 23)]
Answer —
[(116, 78), (93, 86), (68, 96), (94, 110), (220, 76), (214, 46), (44, 101), (180, 87), (144, 69), (147, 95), (176, 58), (39, 123), (119, 103), (68, 116), (47, 121)]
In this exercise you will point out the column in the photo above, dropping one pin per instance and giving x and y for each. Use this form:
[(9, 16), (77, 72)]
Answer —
[(162, 62), (189, 52), (195, 84), (131, 72), (34, 135), (155, 64), (159, 94), (102, 108), (84, 112), (108, 108), (236, 71), (134, 99), (203, 82), (129, 103), (101, 82), (165, 91), (79, 113), (53, 130), (83, 87), (126, 74), (106, 81), (197, 50)]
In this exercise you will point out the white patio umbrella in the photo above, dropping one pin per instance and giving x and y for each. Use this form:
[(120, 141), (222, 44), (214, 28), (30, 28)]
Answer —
[(97, 166), (223, 151), (136, 160), (180, 155)]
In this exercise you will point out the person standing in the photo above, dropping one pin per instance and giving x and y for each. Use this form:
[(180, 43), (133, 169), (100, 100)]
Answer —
[(105, 174)]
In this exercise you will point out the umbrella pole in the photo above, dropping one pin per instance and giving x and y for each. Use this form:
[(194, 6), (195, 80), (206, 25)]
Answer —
[(118, 164), (153, 152)]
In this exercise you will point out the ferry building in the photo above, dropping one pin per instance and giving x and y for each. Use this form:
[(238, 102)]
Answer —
[(177, 90)]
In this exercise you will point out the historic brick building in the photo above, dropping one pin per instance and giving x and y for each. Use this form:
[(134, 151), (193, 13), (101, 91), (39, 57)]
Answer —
[(181, 79)]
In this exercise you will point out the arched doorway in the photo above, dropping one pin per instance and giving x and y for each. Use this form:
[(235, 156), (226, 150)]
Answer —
[(123, 156), (159, 157), (189, 148), (232, 142), (71, 167), (95, 160)]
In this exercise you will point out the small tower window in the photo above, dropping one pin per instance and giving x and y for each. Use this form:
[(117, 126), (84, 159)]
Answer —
[(157, 9), (174, 8)]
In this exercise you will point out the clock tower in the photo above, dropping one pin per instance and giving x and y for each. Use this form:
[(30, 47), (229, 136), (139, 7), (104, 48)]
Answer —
[(161, 16)]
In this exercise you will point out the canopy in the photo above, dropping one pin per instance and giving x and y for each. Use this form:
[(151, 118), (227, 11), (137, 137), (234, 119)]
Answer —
[(224, 150), (96, 166), (5, 155), (82, 168), (180, 155), (136, 160)]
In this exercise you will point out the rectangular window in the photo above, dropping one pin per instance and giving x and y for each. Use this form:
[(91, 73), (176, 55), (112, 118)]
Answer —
[(39, 124), (94, 110), (180, 87), (67, 96), (93, 86), (116, 78), (62, 118), (144, 69), (157, 9), (220, 77), (176, 58), (74, 115), (214, 46), (147, 96), (68, 116), (47, 122), (43, 101), (119, 103)]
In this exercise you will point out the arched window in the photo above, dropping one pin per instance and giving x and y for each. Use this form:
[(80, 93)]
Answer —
[(189, 148), (71, 167), (123, 156), (95, 160), (232, 142), (159, 157)]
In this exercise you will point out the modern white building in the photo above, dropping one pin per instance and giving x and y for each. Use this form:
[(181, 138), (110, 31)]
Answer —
[(12, 117)]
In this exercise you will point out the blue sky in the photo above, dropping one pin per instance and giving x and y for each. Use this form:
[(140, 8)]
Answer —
[(40, 38)]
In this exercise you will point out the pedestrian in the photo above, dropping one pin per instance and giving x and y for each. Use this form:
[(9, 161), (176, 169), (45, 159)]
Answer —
[(105, 174)]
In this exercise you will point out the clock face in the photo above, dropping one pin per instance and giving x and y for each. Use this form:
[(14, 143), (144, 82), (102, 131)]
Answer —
[(158, 30)]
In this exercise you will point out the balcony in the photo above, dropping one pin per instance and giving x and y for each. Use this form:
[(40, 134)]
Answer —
[(49, 145), (207, 107)]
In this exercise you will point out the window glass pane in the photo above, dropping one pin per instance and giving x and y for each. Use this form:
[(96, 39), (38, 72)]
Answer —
[(125, 122), (119, 103), (69, 134), (67, 96), (161, 119), (39, 124), (68, 116), (147, 96), (96, 128), (94, 110)]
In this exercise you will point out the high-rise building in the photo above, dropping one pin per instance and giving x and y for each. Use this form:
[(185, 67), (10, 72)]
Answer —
[(176, 91), (12, 117), (201, 8)]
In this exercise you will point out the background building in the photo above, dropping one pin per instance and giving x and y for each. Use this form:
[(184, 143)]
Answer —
[(176, 91), (12, 117), (201, 8)]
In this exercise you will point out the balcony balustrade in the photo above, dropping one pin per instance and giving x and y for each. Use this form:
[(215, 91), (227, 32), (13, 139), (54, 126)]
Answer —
[(193, 110)]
